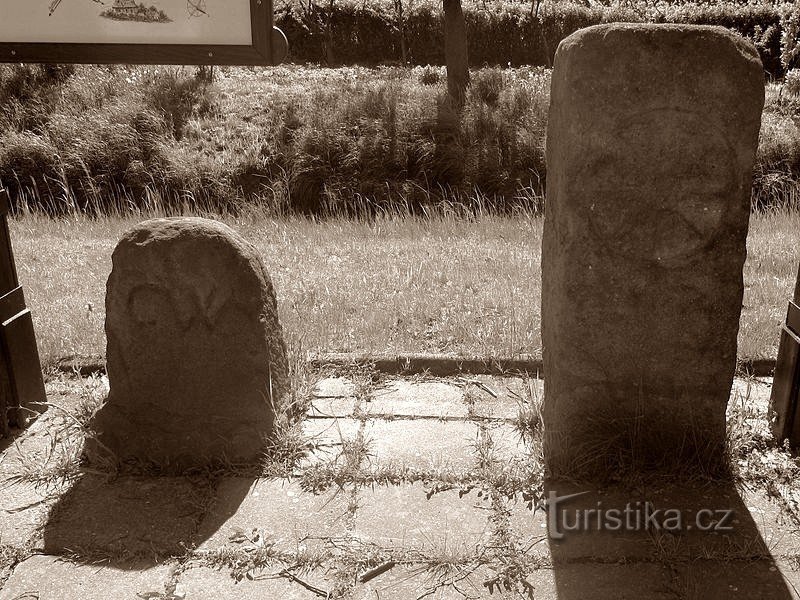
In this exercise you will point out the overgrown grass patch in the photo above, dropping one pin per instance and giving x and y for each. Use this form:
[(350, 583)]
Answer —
[(446, 284), (351, 141)]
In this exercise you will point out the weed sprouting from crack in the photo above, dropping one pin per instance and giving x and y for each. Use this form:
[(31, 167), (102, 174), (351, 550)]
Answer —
[(529, 416), (249, 554), (343, 469), (63, 457), (284, 448)]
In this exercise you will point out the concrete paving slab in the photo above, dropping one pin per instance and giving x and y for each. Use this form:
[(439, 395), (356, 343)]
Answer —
[(403, 398), (754, 391), (333, 397), (32, 446), (506, 442), (604, 581), (714, 521), (278, 509), (326, 436), (145, 516), (52, 578), (334, 387), (413, 581), (422, 444), (511, 392), (775, 526), (202, 583), (403, 516), (730, 579), (325, 408), (23, 510)]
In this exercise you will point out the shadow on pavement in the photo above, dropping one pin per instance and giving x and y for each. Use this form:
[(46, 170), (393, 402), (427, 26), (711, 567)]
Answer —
[(133, 520), (685, 540)]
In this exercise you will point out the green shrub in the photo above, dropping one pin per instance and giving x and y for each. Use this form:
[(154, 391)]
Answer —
[(487, 85), (430, 76), (791, 83), (179, 97), (315, 141), (503, 33)]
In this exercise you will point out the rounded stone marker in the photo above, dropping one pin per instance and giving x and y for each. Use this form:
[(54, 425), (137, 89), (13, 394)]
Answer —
[(651, 139), (195, 353)]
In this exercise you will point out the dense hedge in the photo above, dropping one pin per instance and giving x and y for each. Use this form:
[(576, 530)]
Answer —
[(349, 32)]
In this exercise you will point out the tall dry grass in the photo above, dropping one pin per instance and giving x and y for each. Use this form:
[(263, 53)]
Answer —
[(468, 286)]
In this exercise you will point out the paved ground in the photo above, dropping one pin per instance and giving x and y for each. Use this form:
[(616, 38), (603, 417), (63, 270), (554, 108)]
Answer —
[(409, 488)]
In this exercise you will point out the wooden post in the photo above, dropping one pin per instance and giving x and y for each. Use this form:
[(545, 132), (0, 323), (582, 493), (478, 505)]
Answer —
[(21, 384), (785, 397)]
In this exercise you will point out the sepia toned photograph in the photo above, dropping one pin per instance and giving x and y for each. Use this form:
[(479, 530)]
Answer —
[(126, 21), (399, 300)]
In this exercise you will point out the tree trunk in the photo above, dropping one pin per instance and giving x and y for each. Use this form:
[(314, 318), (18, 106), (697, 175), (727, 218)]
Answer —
[(455, 51)]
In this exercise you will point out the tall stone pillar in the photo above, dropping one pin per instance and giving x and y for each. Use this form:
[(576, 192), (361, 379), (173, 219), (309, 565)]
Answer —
[(651, 139)]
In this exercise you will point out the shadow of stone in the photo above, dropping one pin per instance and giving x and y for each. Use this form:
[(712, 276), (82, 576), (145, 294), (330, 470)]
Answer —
[(665, 540), (12, 434), (7, 440), (130, 521)]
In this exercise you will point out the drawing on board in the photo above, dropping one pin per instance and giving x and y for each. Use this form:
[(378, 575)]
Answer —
[(128, 10), (213, 22), (231, 32)]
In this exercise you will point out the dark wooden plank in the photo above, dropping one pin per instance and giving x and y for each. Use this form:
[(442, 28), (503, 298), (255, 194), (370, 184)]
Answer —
[(797, 287), (260, 52), (8, 270), (793, 317), (25, 373), (11, 304), (5, 203), (782, 398)]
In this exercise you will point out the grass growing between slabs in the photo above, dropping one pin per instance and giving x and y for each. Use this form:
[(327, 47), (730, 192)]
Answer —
[(499, 479), (445, 284)]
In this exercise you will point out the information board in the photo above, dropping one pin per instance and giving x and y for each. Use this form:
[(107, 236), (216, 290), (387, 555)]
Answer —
[(208, 32)]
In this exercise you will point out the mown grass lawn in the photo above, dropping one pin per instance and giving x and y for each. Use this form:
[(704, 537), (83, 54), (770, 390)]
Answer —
[(439, 284)]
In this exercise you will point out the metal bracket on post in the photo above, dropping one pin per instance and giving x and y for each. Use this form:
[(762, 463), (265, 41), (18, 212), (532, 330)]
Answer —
[(785, 397), (21, 385)]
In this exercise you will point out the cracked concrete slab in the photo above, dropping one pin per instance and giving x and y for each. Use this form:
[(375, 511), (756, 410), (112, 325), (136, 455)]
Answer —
[(23, 511), (278, 511), (127, 516), (52, 578), (327, 438), (203, 583), (422, 444), (404, 517), (502, 397), (117, 520), (404, 398)]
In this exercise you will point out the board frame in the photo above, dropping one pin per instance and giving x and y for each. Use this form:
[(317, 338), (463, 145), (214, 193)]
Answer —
[(266, 48)]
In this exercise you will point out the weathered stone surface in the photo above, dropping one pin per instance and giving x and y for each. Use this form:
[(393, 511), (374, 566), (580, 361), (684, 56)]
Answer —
[(404, 517), (52, 578), (651, 139), (423, 444), (196, 357), (411, 582), (333, 397), (202, 583), (326, 438), (144, 516), (24, 509), (603, 581), (402, 398), (512, 395), (280, 511)]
